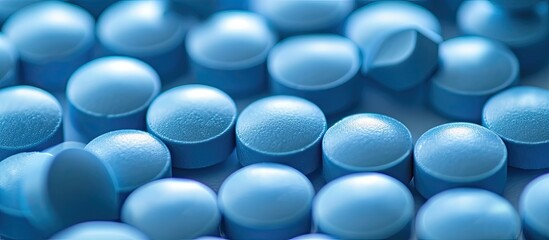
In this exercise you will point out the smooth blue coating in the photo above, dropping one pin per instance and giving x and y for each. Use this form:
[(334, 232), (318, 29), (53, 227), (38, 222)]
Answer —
[(13, 171), (313, 236), (534, 208), (281, 129), (31, 119), (472, 69), (196, 122), (316, 66), (467, 214), (64, 146), (101, 230), (173, 209), (71, 187), (459, 155), (291, 17), (513, 5), (8, 62), (525, 32), (364, 206), (266, 201), (367, 142), (520, 116), (53, 39), (147, 30), (229, 51), (111, 93), (135, 157)]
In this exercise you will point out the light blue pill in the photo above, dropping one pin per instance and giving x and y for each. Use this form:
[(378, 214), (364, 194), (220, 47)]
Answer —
[(196, 122), (525, 32), (266, 201), (468, 214), (53, 39), (459, 155), (364, 206), (30, 120), (13, 171), (313, 236), (534, 208), (147, 30), (135, 157), (281, 129), (472, 69), (298, 17), (314, 67), (229, 50), (9, 59), (520, 116), (367, 143), (101, 230), (111, 93), (173, 209)]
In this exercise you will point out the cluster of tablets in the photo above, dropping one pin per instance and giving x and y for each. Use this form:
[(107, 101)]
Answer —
[(264, 136)]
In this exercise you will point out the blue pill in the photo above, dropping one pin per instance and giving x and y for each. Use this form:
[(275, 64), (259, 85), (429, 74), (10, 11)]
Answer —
[(135, 157), (281, 129), (520, 116), (111, 93), (53, 38), (459, 155), (101, 230), (467, 214), (291, 17), (364, 206), (316, 66), (173, 209), (313, 236), (266, 201), (9, 59), (534, 208), (147, 30), (31, 119), (229, 50), (526, 33), (367, 143), (472, 69), (196, 122)]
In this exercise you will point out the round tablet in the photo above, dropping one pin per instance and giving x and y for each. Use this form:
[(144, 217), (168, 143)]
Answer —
[(526, 32), (468, 214), (520, 116), (367, 143), (193, 120), (281, 129), (8, 62), (313, 236), (31, 119), (266, 199), (229, 51), (459, 155), (364, 206), (471, 70), (147, 30), (534, 208), (13, 172), (316, 66), (298, 17), (53, 39), (101, 230), (111, 93), (135, 157), (186, 210)]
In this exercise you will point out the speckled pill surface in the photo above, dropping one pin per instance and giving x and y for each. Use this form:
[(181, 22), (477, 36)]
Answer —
[(364, 206), (534, 208), (53, 38), (31, 119), (8, 62), (459, 155), (197, 124), (520, 116), (171, 209), (468, 214), (281, 129), (101, 230), (316, 66), (266, 201)]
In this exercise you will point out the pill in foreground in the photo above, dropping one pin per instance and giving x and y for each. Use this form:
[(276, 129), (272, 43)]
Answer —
[(534, 209), (101, 230)]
